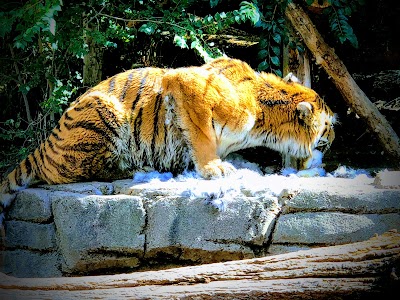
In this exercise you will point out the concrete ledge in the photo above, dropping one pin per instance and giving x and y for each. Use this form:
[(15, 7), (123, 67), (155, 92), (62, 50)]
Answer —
[(94, 227)]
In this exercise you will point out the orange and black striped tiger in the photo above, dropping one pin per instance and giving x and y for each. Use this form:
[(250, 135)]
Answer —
[(172, 119)]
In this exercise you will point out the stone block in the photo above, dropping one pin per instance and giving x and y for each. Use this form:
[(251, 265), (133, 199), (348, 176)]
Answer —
[(96, 232), (330, 228), (21, 234), (387, 180), (23, 263), (345, 200), (32, 205), (196, 227), (89, 188)]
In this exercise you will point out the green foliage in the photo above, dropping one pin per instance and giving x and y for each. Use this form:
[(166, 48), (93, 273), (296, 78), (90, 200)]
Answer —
[(11, 130), (338, 13), (47, 40), (189, 29), (62, 92), (214, 3), (273, 33), (32, 19)]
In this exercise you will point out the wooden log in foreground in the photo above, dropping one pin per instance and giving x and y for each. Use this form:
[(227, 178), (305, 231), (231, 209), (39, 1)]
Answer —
[(335, 68), (355, 271)]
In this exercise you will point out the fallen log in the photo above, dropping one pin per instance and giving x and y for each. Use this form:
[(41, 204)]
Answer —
[(335, 68), (357, 270)]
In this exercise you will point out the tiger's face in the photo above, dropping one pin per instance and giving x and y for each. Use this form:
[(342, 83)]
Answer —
[(327, 135), (323, 141)]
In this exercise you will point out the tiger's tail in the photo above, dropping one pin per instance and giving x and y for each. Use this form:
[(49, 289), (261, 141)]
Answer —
[(19, 178)]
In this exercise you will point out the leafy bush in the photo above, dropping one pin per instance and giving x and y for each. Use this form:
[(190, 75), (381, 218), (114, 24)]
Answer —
[(45, 43)]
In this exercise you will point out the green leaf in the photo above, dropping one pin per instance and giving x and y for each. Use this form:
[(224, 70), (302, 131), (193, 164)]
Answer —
[(52, 26), (249, 11), (347, 11), (278, 73), (262, 54), (148, 28), (275, 60), (263, 66), (20, 44), (309, 2), (276, 50), (277, 38), (263, 43), (5, 24), (214, 3), (300, 48), (193, 44), (353, 40), (24, 89), (180, 41)]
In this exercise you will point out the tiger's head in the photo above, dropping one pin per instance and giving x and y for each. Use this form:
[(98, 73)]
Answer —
[(295, 118), (291, 118)]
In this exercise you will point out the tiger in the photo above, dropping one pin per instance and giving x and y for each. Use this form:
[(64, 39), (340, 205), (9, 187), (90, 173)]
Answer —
[(174, 120)]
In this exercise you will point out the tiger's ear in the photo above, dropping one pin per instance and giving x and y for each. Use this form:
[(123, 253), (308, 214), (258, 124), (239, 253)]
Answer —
[(304, 109)]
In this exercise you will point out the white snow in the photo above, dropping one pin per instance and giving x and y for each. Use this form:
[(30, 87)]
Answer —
[(249, 177)]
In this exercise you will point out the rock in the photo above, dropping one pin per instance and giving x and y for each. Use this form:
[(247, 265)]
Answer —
[(32, 205), (331, 228), (30, 235), (387, 180), (98, 232), (352, 200), (89, 188), (23, 263), (275, 249), (83, 230), (197, 228), (362, 270)]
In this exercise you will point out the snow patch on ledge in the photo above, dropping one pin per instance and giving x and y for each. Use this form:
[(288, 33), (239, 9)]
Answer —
[(251, 180)]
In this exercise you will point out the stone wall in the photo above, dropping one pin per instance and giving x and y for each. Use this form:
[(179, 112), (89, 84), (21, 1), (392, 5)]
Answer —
[(94, 228)]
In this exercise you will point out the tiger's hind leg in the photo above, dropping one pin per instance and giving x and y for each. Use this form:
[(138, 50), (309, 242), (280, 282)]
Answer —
[(95, 144)]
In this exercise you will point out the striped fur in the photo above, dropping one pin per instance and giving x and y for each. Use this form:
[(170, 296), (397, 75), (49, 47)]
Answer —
[(170, 120)]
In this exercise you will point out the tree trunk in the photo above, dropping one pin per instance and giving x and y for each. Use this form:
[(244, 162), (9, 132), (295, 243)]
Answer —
[(357, 270), (26, 102), (355, 97), (297, 63), (92, 62)]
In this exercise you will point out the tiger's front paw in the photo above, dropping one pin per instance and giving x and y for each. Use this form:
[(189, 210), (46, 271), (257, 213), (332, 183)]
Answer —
[(216, 169)]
